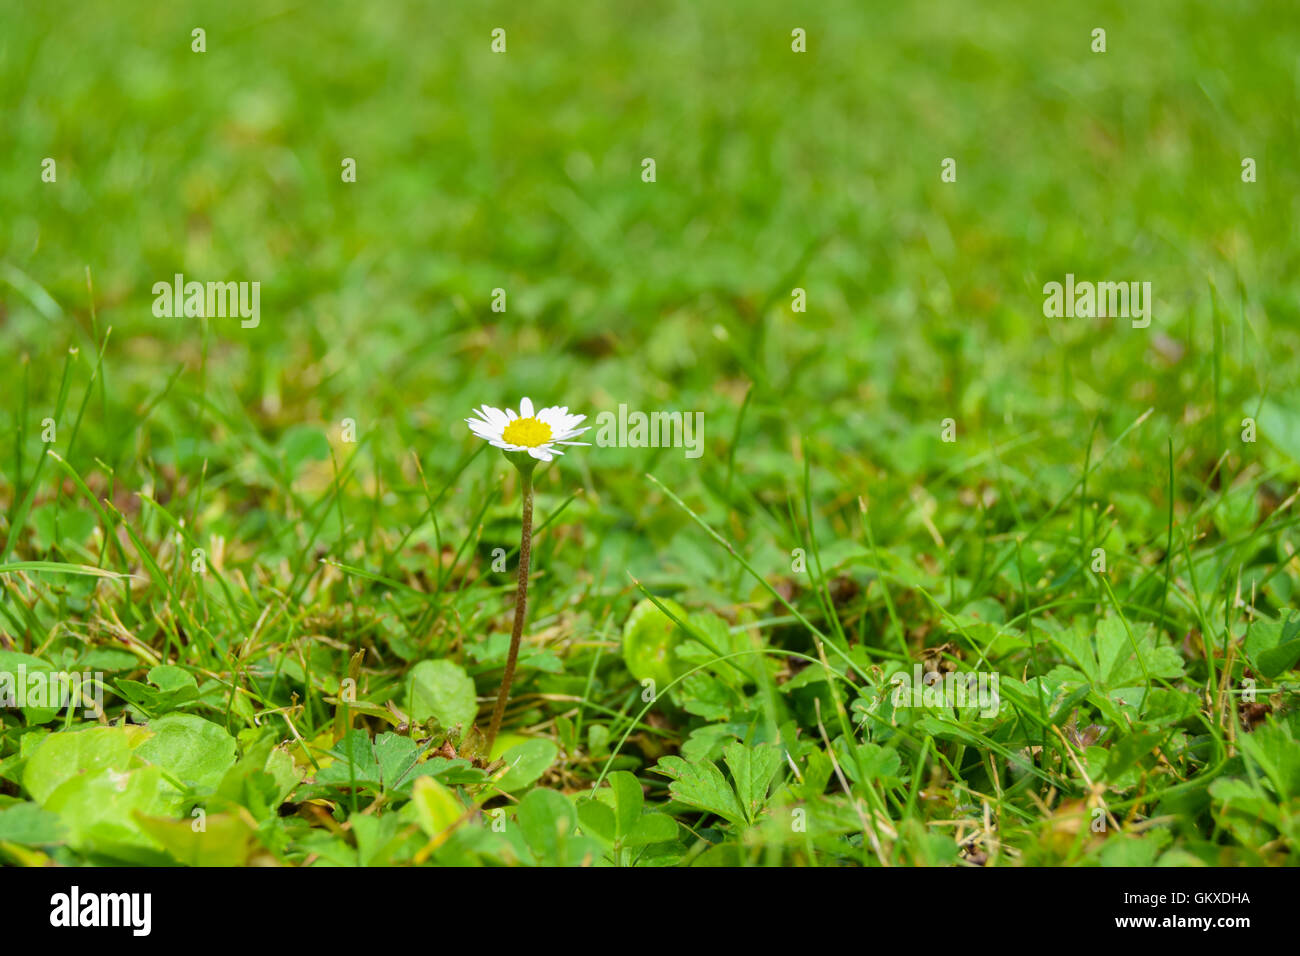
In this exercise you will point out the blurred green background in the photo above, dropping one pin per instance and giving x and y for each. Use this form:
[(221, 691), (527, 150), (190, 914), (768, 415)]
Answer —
[(775, 170)]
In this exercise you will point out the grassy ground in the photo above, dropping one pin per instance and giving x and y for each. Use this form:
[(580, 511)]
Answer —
[(253, 560)]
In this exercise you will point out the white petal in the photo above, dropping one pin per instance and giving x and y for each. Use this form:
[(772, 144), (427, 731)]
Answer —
[(525, 407), (565, 436), (541, 452), (561, 422)]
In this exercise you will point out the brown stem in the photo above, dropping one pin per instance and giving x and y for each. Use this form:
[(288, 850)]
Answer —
[(521, 608)]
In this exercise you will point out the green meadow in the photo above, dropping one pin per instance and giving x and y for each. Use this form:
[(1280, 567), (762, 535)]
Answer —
[(933, 572)]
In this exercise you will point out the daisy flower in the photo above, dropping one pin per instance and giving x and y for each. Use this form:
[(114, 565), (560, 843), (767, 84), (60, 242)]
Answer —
[(535, 432), (526, 438)]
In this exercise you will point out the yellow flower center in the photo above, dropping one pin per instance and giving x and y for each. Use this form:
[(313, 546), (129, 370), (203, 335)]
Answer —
[(528, 432)]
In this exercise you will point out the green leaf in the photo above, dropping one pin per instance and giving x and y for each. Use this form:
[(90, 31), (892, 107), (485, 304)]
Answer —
[(1155, 706), (628, 800), (303, 443), (1276, 752), (651, 828), (816, 774), (99, 810), (74, 526), (224, 840), (1279, 422), (614, 815), (195, 751), (649, 640), (1131, 852), (1110, 661), (63, 756), (29, 824), (546, 819), (378, 841), (1247, 812), (1120, 665), (752, 769), (1078, 648), (706, 696), (1267, 632), (391, 763), (436, 807), (15, 668), (173, 686), (702, 785), (1276, 660), (262, 778), (879, 764), (709, 638), (1127, 751), (527, 762), (598, 820), (1274, 644), (442, 690)]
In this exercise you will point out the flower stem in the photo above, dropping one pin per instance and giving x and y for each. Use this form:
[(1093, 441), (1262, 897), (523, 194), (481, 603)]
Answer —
[(521, 608)]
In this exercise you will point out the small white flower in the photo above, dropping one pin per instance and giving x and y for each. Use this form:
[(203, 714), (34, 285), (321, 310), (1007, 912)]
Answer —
[(536, 433)]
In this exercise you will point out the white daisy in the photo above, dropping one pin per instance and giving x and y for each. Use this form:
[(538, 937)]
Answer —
[(534, 432)]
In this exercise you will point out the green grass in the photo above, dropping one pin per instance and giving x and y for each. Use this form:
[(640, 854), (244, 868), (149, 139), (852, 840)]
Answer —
[(826, 540)]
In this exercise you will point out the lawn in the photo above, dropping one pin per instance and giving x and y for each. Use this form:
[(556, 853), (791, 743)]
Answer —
[(875, 556)]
